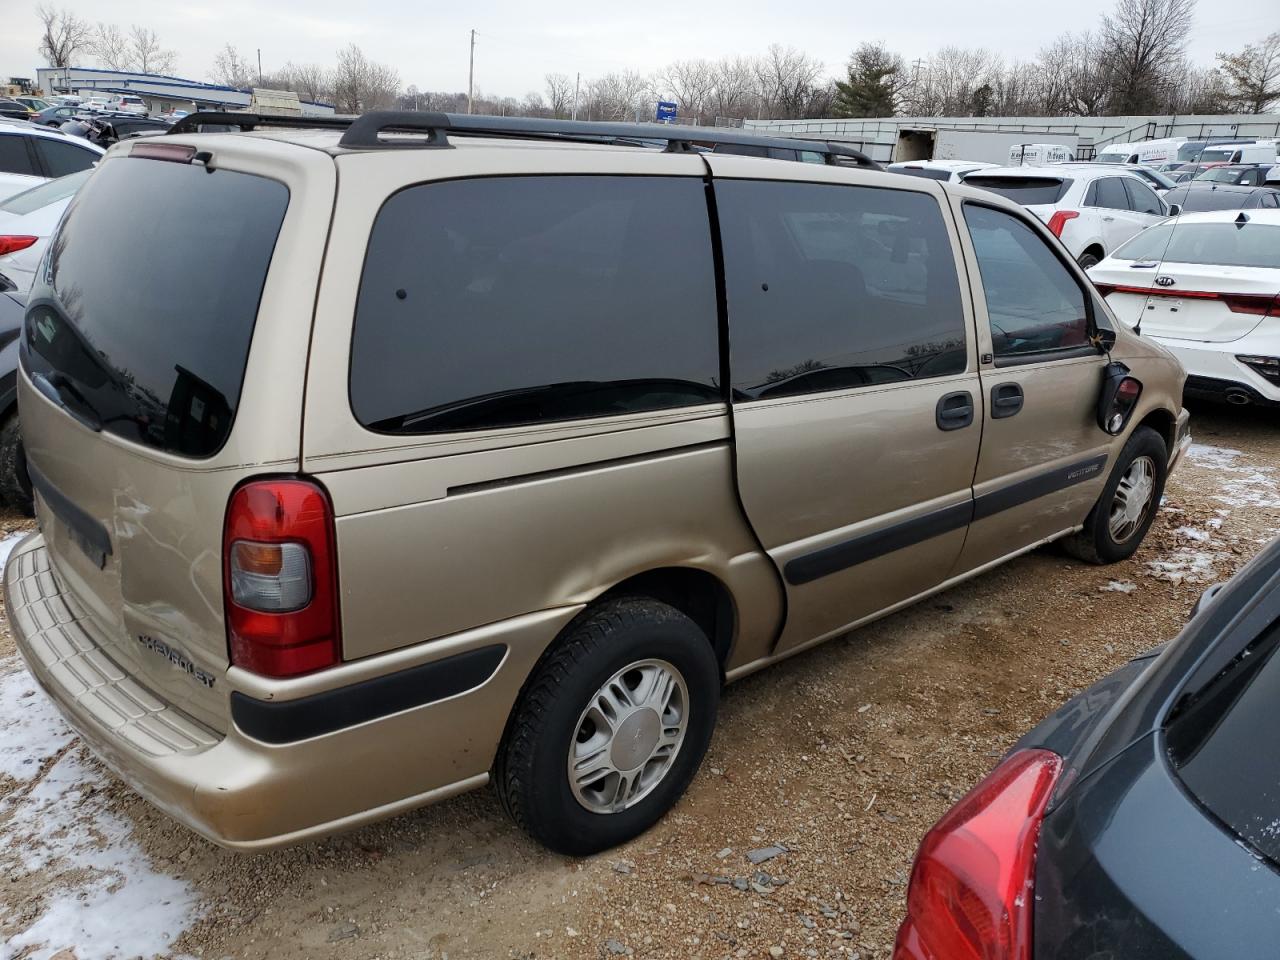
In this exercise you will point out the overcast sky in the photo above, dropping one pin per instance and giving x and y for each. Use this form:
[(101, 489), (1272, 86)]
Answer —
[(519, 42)]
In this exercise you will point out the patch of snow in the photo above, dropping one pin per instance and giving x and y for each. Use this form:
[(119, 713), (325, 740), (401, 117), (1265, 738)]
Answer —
[(104, 899), (8, 543), (1193, 533), (1243, 485), (1120, 586), (1184, 565)]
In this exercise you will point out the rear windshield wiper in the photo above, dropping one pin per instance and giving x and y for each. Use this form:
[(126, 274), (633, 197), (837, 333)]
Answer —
[(53, 386)]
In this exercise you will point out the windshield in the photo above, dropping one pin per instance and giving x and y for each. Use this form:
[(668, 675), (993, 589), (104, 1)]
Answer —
[(45, 194), (1105, 157), (1218, 154), (1028, 191), (1219, 244), (143, 323)]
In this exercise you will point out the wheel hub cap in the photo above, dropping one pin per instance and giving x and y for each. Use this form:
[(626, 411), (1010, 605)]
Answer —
[(628, 736), (634, 742), (1133, 497)]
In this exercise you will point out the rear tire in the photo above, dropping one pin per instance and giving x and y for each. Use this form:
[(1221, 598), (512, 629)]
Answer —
[(1087, 260), (15, 482), (1119, 521), (629, 693)]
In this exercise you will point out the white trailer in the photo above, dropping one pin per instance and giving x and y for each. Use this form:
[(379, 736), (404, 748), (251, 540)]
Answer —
[(980, 145)]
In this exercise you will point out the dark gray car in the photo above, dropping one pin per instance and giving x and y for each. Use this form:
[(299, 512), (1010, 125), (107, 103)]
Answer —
[(1142, 820), (1199, 196)]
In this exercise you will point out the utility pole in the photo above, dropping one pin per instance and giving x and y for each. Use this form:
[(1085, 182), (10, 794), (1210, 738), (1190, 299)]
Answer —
[(471, 74), (259, 66), (577, 80)]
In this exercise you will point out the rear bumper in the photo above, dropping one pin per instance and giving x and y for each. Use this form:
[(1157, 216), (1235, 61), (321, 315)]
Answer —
[(306, 777), (1214, 373)]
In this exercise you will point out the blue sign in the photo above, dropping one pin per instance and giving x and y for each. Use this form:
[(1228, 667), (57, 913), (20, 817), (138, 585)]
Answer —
[(666, 111)]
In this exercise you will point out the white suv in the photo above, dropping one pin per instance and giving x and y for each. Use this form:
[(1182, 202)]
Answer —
[(1092, 210), (127, 104), (948, 171), (30, 154)]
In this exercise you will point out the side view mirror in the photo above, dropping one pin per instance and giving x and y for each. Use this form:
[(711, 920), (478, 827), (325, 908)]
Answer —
[(1118, 398), (1175, 209)]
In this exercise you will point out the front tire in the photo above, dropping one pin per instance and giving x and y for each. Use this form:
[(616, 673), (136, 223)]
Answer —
[(610, 728), (1087, 260), (1119, 521), (15, 482)]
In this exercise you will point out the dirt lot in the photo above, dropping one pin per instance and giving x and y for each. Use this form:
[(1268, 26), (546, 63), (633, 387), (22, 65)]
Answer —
[(844, 755)]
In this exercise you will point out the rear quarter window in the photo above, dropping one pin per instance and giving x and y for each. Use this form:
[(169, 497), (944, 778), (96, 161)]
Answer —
[(497, 302)]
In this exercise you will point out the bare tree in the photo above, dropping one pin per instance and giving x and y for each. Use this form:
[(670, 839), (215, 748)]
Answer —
[(359, 84), (1254, 74), (559, 94), (233, 70), (309, 81), (533, 105), (734, 90), (111, 47), (1144, 43), (790, 82), (63, 36), (1073, 76), (691, 83), (618, 96), (146, 53)]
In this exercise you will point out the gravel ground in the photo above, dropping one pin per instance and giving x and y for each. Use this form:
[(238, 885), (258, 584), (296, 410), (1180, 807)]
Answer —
[(842, 756)]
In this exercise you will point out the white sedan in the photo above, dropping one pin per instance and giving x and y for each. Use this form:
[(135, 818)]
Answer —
[(1207, 286), (27, 220)]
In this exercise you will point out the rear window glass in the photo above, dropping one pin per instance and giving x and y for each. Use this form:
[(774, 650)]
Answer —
[(1200, 199), (1224, 741), (1029, 191), (503, 301), (145, 321), (49, 192), (925, 172), (1217, 244)]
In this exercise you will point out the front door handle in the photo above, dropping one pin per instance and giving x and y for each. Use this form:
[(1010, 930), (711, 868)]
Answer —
[(1108, 219), (1006, 400), (955, 410)]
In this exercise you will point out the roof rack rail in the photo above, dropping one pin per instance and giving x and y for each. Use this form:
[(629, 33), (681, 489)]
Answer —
[(365, 132), (194, 122)]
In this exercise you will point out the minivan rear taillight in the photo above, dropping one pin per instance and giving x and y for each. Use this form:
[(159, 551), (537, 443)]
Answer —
[(280, 578), (971, 891), (1059, 220)]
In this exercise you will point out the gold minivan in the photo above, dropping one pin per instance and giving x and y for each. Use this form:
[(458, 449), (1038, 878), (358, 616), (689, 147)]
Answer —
[(375, 464)]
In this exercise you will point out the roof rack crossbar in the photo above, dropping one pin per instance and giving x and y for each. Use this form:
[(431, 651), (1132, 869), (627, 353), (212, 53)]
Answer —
[(364, 132)]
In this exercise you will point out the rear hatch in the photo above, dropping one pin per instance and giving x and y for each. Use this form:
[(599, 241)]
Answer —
[(1205, 281), (162, 363), (1039, 193)]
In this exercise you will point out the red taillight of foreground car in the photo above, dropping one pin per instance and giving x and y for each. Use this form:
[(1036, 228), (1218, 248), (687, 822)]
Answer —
[(14, 244), (972, 885), (280, 578), (1059, 220)]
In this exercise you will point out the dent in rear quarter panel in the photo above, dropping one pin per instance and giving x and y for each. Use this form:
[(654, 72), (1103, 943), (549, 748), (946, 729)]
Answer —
[(1129, 867)]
